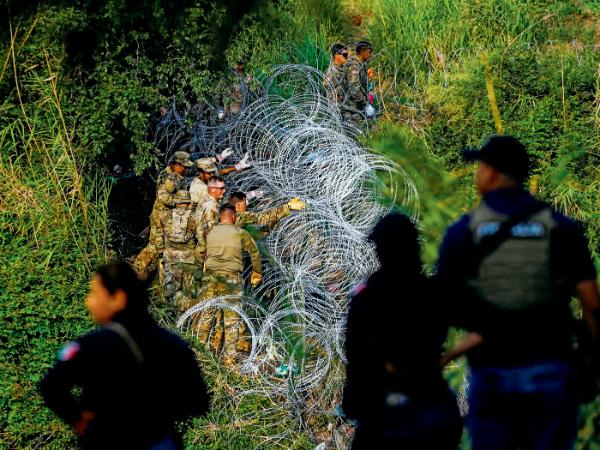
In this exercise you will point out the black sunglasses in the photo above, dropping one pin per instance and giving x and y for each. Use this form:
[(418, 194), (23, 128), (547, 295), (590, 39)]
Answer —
[(344, 54)]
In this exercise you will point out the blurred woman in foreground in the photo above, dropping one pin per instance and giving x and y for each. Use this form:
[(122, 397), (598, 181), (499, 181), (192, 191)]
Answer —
[(396, 328), (125, 385)]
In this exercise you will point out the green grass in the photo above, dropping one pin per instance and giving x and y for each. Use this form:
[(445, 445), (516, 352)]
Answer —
[(52, 233), (435, 66)]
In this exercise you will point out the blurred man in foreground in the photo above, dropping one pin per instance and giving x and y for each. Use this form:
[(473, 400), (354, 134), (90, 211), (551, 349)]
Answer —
[(520, 256)]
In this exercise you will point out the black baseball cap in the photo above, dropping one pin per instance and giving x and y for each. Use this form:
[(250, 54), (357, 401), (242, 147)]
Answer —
[(505, 154)]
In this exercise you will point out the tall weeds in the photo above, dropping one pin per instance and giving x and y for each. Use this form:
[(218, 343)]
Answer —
[(43, 188), (52, 232)]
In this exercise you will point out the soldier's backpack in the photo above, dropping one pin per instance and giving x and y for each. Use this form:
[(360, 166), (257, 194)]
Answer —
[(179, 233)]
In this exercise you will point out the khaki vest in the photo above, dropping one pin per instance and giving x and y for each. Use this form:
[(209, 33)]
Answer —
[(516, 275), (224, 249)]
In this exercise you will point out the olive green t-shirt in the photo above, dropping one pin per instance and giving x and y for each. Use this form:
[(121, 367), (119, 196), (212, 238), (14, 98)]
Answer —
[(225, 245)]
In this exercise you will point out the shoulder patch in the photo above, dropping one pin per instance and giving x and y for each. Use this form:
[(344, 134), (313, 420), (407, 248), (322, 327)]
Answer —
[(69, 351)]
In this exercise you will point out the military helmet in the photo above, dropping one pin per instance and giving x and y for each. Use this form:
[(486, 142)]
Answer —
[(182, 196), (182, 158)]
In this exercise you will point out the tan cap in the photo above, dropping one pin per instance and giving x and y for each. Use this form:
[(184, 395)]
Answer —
[(182, 158), (206, 164)]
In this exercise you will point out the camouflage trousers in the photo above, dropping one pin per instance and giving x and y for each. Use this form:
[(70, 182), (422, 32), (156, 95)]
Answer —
[(178, 279), (146, 261), (223, 330)]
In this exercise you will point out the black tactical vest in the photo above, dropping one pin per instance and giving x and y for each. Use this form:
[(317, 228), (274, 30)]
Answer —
[(517, 274)]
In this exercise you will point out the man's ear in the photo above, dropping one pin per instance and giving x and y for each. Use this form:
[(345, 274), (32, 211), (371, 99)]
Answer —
[(119, 300)]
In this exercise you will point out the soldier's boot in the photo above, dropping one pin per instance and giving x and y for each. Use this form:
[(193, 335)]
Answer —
[(244, 343), (145, 262)]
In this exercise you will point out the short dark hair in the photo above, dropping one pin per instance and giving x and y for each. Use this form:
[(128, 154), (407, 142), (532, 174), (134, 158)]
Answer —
[(337, 48), (360, 46), (227, 207), (215, 179), (237, 197), (119, 275)]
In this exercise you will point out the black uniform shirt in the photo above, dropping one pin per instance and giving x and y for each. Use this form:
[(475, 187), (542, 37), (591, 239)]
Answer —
[(136, 402), (514, 338)]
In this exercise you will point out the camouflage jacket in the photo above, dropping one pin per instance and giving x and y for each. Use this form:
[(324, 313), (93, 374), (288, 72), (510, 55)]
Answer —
[(336, 83), (358, 83), (268, 218), (207, 214), (198, 191), (222, 249), (168, 183)]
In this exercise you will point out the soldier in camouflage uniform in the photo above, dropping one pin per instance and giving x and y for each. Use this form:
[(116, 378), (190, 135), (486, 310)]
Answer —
[(223, 247), (232, 92), (265, 219), (207, 214), (170, 180), (207, 168), (180, 247), (356, 98), (335, 81)]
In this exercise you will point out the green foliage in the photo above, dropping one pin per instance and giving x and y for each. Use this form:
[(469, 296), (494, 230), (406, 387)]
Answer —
[(79, 84), (52, 231), (135, 66), (541, 61), (292, 32), (38, 315), (443, 196), (538, 58)]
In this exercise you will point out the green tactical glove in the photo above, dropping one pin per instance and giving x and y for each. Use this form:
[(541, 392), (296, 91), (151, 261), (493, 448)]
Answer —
[(198, 274)]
